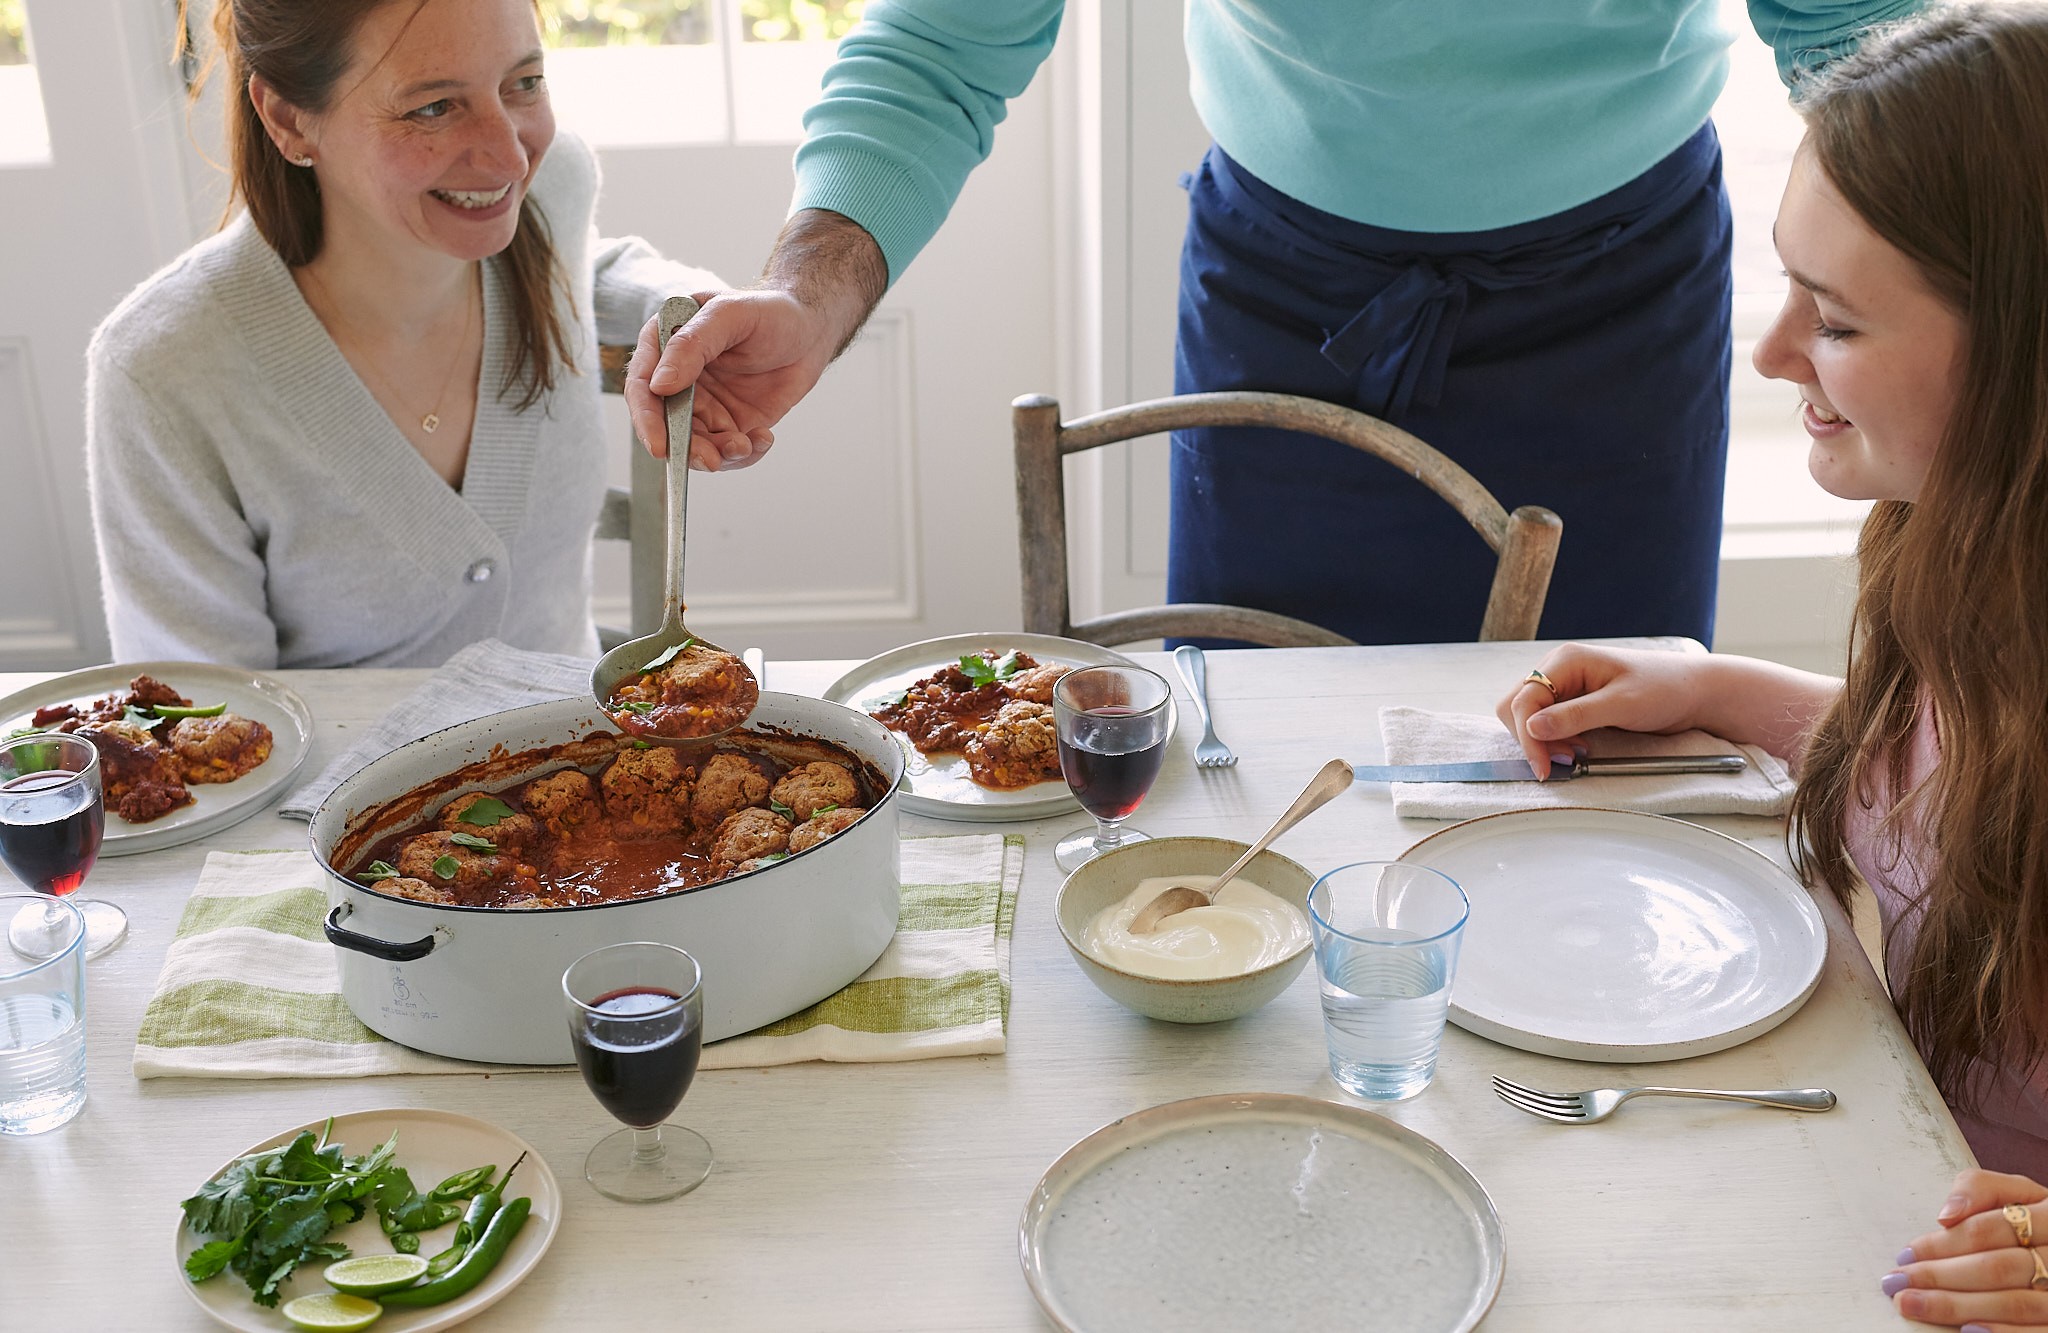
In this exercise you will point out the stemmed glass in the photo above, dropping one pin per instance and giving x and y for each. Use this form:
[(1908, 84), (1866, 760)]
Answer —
[(636, 1019), (52, 815), (1112, 723)]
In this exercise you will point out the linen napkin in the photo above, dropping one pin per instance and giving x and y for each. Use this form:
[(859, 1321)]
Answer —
[(250, 988), (1418, 736), (487, 677)]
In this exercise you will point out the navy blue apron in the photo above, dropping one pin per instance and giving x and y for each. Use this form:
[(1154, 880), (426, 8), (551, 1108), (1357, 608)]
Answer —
[(1578, 362)]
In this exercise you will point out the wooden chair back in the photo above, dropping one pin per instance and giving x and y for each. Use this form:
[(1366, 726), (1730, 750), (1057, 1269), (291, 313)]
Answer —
[(631, 512), (1524, 542)]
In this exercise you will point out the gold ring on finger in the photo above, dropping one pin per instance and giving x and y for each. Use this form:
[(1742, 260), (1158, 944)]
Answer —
[(1536, 677), (2022, 1219), (2040, 1278)]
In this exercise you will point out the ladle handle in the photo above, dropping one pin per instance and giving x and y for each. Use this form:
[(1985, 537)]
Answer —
[(676, 312), (1330, 779)]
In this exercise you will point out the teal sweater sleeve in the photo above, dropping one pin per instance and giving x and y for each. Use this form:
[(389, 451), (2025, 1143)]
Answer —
[(911, 106), (1807, 35)]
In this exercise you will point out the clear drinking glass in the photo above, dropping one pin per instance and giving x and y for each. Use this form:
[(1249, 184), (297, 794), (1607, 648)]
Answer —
[(1112, 723), (636, 1019), (1386, 936), (52, 815), (42, 1025)]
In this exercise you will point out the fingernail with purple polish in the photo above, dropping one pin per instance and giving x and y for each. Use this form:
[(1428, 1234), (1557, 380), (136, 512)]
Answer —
[(1974, 1328), (1894, 1283), (1906, 1256)]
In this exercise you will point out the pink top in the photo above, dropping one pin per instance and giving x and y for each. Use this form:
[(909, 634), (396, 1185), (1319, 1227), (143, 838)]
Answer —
[(2009, 1130)]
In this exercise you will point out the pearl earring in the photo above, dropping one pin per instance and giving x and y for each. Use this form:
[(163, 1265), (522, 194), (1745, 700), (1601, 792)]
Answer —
[(306, 161)]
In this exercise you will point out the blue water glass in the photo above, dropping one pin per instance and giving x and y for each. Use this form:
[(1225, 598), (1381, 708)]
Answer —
[(42, 1024), (1386, 936)]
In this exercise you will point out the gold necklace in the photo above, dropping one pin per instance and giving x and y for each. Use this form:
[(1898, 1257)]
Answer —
[(431, 422)]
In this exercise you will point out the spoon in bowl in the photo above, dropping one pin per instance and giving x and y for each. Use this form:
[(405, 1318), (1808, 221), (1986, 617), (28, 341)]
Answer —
[(730, 690), (1332, 778)]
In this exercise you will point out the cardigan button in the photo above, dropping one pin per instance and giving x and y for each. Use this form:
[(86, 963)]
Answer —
[(481, 571)]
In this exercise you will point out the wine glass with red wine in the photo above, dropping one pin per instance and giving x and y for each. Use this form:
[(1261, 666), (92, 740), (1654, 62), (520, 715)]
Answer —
[(52, 815), (1112, 723), (636, 1019)]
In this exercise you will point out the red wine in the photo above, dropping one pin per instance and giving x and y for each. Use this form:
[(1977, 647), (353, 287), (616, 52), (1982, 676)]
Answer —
[(638, 1060), (1112, 758), (50, 838)]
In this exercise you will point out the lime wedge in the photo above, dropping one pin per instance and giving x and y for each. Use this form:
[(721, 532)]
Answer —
[(372, 1274), (331, 1312)]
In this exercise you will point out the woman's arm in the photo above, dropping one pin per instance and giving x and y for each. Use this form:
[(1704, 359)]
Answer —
[(182, 572), (1741, 699)]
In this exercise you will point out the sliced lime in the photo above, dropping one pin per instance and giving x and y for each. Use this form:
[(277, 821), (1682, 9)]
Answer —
[(372, 1274), (332, 1312)]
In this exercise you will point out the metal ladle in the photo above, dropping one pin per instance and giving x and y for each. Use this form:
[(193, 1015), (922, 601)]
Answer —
[(1332, 778), (636, 655)]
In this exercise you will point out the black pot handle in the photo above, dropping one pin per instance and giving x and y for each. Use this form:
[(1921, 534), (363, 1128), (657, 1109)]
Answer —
[(342, 938)]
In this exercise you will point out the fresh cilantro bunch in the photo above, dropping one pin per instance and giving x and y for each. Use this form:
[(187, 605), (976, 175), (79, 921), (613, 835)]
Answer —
[(273, 1209)]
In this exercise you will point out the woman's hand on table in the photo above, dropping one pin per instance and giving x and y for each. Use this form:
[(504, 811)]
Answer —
[(1973, 1272), (1598, 687)]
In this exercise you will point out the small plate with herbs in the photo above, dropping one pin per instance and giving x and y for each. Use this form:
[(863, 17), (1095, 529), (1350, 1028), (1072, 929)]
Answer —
[(977, 669), (265, 1228)]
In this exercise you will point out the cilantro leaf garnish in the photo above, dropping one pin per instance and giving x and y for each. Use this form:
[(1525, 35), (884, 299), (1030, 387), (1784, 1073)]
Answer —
[(781, 809), (981, 671), (484, 812), (378, 870), (446, 866), (637, 706), (823, 810), (471, 841)]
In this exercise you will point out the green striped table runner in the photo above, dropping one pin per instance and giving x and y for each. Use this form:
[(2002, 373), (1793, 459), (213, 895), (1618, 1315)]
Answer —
[(249, 987)]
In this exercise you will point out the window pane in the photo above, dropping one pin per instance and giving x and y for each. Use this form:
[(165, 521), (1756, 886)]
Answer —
[(24, 134), (574, 23), (798, 20)]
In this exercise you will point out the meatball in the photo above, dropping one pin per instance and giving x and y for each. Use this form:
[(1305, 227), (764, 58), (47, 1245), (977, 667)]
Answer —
[(647, 791), (140, 778), (749, 833), (729, 782), (804, 790), (1017, 748), (473, 871), (514, 832), (820, 827), (1036, 684), (218, 749), (418, 890), (563, 802)]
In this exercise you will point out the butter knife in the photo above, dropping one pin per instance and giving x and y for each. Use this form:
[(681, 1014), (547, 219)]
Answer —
[(1517, 770)]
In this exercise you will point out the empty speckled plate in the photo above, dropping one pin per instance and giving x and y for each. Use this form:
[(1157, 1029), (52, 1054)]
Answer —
[(1257, 1211)]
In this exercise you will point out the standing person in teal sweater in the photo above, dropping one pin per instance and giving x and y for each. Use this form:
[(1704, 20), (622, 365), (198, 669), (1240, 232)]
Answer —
[(1499, 226)]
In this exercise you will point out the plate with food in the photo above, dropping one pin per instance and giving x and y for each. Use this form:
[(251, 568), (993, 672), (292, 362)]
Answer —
[(186, 748), (973, 713), (429, 1218)]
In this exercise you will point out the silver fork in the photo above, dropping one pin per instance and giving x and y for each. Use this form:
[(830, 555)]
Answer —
[(1194, 669), (1583, 1108)]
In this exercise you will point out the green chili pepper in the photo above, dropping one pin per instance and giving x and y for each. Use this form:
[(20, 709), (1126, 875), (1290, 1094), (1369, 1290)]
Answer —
[(473, 1222), (481, 1259)]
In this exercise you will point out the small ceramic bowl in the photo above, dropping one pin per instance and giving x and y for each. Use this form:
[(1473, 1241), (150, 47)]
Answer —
[(1111, 877)]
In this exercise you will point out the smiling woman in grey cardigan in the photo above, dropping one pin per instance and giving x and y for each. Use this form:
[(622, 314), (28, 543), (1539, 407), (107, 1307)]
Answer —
[(267, 489)]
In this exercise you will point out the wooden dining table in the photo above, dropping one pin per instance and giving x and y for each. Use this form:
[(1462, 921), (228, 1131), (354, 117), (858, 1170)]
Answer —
[(888, 1196)]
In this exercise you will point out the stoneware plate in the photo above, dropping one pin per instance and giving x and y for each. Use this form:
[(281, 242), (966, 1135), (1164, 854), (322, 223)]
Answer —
[(1260, 1210), (432, 1146), (1616, 936), (215, 806), (938, 785)]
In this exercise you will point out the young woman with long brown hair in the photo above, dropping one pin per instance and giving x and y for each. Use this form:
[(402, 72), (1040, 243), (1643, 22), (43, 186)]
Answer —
[(1914, 232), (360, 425)]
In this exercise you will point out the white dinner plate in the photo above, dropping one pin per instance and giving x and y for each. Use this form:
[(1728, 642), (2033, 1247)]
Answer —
[(215, 806), (938, 784), (1616, 936), (1260, 1211), (432, 1146)]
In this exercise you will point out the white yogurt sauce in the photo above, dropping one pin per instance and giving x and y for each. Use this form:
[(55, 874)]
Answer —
[(1244, 929)]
